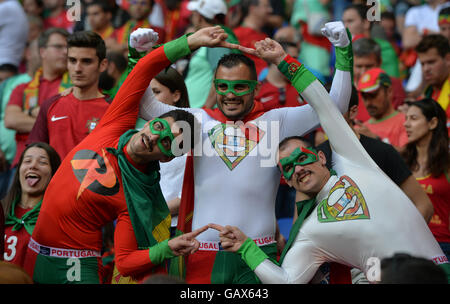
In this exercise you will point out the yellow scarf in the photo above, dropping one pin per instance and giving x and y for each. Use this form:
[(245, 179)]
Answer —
[(442, 96), (31, 92)]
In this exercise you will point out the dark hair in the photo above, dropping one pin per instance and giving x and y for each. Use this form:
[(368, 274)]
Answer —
[(16, 189), (245, 6), (104, 5), (388, 15), (438, 153), (181, 115), (45, 36), (118, 59), (444, 11), (218, 19), (437, 41), (365, 47), (8, 67), (360, 9), (403, 268), (286, 140), (233, 59), (88, 39), (173, 80)]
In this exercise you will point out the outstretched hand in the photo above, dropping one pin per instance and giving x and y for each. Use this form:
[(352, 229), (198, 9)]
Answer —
[(267, 49), (210, 37), (186, 243), (231, 237)]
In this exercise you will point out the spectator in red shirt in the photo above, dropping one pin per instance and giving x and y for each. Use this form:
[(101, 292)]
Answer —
[(57, 15), (276, 90), (367, 55), (385, 123), (64, 121), (139, 11), (48, 81), (255, 14), (99, 16)]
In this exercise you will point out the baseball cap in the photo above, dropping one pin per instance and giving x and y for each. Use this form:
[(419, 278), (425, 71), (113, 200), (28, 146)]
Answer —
[(372, 79), (208, 8)]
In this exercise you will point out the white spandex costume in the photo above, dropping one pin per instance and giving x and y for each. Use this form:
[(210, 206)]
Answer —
[(381, 222), (240, 189)]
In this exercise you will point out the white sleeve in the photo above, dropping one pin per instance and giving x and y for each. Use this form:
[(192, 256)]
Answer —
[(342, 138), (341, 89), (299, 266), (410, 17), (302, 120), (150, 107)]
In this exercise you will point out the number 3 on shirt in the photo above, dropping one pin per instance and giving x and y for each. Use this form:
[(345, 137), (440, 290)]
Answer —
[(11, 243)]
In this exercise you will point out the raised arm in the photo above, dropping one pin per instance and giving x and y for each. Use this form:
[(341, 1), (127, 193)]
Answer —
[(341, 87), (342, 138), (210, 37)]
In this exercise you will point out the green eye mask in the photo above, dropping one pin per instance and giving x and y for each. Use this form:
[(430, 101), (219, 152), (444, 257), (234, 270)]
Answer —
[(237, 87), (163, 134), (287, 164)]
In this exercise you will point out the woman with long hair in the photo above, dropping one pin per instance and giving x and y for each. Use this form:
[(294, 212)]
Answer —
[(37, 164), (427, 156)]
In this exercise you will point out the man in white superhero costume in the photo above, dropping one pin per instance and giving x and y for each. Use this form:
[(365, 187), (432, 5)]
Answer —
[(353, 219), (233, 178)]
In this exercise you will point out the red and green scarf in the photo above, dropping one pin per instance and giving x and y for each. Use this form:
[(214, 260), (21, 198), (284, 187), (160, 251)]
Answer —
[(31, 92)]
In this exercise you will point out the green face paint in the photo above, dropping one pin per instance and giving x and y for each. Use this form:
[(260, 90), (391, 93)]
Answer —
[(237, 87), (301, 157), (161, 127)]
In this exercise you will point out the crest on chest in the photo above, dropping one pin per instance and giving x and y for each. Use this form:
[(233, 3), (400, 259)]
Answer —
[(344, 202), (233, 142)]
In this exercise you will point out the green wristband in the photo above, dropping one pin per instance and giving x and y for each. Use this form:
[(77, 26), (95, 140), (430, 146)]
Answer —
[(344, 57), (160, 252), (297, 73), (252, 254), (177, 48)]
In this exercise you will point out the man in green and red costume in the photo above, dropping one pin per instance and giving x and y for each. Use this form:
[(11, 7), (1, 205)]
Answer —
[(114, 173)]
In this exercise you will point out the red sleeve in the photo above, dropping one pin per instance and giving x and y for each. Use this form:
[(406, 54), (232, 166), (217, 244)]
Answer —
[(16, 97), (40, 127), (123, 111), (129, 259)]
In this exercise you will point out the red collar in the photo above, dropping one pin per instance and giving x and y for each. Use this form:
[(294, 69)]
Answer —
[(258, 110)]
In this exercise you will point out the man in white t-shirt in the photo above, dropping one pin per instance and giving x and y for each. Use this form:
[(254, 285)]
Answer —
[(13, 32)]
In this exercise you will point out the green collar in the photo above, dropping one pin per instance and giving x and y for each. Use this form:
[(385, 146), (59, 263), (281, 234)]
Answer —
[(28, 220)]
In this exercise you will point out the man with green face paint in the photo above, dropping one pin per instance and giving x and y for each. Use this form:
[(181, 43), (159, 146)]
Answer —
[(114, 174), (300, 156), (356, 218)]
